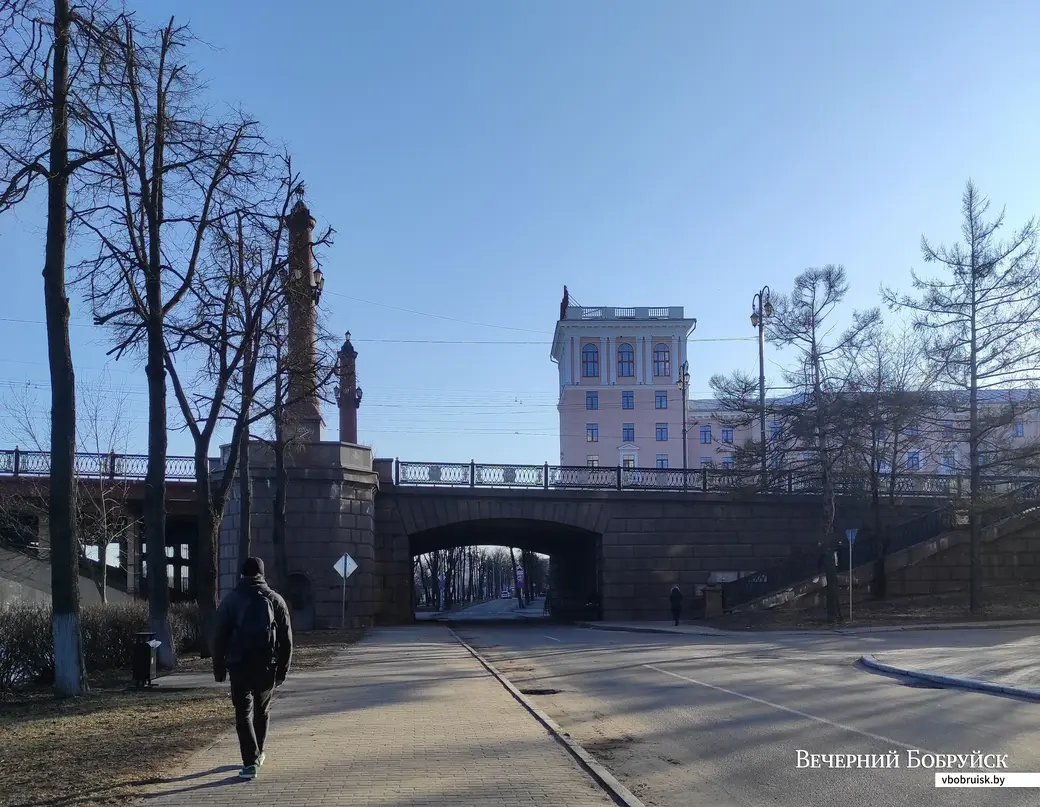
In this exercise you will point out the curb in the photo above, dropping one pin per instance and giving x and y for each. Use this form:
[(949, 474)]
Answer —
[(668, 631), (953, 681), (604, 778), (996, 625)]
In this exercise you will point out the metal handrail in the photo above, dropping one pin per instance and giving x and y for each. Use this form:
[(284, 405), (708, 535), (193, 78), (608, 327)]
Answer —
[(708, 479), (19, 463)]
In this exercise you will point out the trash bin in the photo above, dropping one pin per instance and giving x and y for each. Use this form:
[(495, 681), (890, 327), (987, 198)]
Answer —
[(712, 601), (143, 659)]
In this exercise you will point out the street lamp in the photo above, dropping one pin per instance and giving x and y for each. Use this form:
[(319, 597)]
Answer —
[(319, 284), (761, 310), (684, 387)]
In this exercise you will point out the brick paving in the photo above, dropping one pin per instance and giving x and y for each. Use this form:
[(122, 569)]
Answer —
[(406, 717)]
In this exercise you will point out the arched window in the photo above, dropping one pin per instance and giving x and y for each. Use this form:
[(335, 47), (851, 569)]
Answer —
[(590, 361), (626, 360), (662, 364)]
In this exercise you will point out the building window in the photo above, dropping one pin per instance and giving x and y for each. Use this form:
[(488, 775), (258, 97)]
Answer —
[(1020, 430), (774, 429), (592, 400), (628, 432), (626, 361), (662, 460), (913, 430), (662, 431), (592, 461), (590, 361), (705, 462), (946, 462), (705, 434), (628, 400), (628, 461), (913, 460), (727, 434), (662, 361), (592, 432), (727, 463), (947, 430), (660, 400)]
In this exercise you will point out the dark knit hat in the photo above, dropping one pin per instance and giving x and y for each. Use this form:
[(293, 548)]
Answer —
[(253, 567)]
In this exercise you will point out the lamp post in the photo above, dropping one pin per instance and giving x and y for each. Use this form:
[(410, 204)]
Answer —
[(761, 310), (684, 387)]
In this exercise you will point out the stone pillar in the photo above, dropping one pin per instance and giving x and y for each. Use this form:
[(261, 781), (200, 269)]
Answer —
[(329, 510), (349, 396), (304, 410)]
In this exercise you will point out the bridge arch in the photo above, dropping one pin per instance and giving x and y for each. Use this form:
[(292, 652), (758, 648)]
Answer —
[(569, 531)]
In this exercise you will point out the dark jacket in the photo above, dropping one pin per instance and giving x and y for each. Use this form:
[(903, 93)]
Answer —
[(230, 614), (676, 598)]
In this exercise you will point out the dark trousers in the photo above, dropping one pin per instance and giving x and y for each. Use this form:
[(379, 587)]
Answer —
[(676, 610), (251, 695)]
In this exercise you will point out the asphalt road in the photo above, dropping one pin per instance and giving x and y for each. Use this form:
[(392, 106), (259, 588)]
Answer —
[(718, 721), (491, 610)]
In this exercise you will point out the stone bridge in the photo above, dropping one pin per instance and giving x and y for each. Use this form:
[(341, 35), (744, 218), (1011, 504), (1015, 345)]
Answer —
[(628, 548)]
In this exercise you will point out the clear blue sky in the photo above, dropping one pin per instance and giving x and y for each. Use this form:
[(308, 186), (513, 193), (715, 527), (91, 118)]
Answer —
[(475, 156)]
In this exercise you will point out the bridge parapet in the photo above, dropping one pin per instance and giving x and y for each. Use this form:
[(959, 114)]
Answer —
[(704, 480)]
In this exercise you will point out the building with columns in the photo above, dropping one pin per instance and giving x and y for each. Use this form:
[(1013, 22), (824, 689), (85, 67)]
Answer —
[(620, 402)]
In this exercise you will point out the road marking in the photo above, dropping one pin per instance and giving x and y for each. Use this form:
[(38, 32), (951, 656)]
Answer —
[(552, 637), (788, 709)]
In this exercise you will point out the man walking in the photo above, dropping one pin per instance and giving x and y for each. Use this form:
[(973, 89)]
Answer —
[(252, 640), (676, 601)]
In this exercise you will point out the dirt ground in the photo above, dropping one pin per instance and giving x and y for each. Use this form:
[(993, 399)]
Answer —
[(103, 747), (999, 603)]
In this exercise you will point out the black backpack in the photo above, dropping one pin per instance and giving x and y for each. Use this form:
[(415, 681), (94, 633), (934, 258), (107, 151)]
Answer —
[(255, 633)]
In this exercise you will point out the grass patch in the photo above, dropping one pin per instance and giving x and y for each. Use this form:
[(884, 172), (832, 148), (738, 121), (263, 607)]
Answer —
[(103, 748)]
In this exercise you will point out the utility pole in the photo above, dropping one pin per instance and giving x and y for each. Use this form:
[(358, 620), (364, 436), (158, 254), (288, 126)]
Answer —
[(761, 310), (684, 387)]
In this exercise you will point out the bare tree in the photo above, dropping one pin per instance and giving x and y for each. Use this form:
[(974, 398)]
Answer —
[(173, 173), (980, 318), (53, 67), (888, 405), (102, 518), (236, 295)]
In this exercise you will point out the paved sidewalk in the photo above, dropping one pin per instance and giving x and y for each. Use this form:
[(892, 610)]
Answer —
[(1015, 664), (406, 717)]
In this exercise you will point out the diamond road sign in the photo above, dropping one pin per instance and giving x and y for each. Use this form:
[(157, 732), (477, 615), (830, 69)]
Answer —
[(346, 566)]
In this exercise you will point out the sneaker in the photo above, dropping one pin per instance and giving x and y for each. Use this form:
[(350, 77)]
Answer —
[(260, 759), (248, 772)]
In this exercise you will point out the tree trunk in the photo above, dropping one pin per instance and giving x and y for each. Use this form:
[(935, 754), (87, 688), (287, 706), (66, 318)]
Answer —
[(104, 575), (69, 674), (516, 579), (245, 503), (974, 523), (206, 569), (880, 543), (155, 488)]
